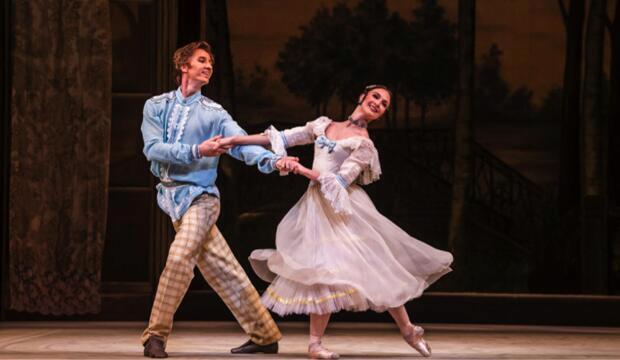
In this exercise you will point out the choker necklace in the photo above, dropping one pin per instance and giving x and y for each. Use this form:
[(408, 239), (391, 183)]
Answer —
[(358, 122)]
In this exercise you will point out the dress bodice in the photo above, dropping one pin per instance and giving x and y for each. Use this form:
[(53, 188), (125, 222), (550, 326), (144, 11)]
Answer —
[(329, 155), (340, 163), (353, 159)]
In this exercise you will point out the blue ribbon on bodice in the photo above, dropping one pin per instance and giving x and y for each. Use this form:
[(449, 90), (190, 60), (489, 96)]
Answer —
[(324, 142)]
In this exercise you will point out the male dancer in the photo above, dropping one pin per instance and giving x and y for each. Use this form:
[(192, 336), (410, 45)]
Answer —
[(173, 128)]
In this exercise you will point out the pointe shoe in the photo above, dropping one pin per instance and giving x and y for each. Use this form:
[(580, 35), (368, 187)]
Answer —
[(317, 351), (415, 339)]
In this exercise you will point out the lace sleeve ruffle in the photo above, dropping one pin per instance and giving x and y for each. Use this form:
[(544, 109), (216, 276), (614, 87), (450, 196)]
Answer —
[(276, 141), (372, 171), (334, 191), (362, 166), (306, 134)]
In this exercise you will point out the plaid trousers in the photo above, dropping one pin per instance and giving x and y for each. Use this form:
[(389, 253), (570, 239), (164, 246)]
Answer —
[(199, 242)]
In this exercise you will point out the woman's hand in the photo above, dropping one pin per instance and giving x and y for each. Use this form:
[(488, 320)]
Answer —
[(287, 163)]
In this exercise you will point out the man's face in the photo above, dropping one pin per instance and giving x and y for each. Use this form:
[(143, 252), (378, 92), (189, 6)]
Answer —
[(199, 68)]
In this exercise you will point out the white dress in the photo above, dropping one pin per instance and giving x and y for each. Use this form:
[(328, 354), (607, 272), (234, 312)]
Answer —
[(334, 250)]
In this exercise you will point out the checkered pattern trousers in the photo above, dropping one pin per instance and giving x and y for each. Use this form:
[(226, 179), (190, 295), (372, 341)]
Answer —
[(199, 242)]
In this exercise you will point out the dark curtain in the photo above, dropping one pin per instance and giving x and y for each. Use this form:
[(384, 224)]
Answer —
[(60, 140), (208, 20)]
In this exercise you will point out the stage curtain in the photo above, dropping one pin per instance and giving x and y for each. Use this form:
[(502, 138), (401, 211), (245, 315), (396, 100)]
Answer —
[(60, 138)]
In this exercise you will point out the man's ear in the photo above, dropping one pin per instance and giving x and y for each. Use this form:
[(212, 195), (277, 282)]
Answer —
[(184, 68)]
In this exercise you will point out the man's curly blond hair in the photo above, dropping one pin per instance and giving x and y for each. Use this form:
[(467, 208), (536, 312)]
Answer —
[(181, 56)]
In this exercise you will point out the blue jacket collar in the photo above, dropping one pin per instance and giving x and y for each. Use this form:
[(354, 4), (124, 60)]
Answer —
[(187, 100)]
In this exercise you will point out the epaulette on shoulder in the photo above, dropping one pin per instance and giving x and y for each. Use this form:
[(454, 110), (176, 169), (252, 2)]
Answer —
[(210, 104), (163, 97)]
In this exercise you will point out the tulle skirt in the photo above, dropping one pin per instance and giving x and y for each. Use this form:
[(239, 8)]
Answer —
[(326, 261)]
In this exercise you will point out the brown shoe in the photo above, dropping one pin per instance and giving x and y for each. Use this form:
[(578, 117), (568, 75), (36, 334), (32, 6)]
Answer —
[(154, 348), (250, 347)]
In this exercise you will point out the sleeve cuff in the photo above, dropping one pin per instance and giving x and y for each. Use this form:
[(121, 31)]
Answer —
[(335, 193), (196, 152), (273, 161), (342, 181), (284, 139)]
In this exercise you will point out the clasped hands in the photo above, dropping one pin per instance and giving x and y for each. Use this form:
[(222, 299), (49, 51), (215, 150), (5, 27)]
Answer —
[(218, 145), (214, 146)]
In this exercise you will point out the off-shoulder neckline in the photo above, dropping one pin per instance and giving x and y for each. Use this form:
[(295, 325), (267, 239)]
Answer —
[(324, 133)]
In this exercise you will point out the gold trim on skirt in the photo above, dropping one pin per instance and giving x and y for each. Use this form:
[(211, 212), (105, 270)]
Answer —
[(272, 294)]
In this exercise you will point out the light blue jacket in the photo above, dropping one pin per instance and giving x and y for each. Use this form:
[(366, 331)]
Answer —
[(172, 129)]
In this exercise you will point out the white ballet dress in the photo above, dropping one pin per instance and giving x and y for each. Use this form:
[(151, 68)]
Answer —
[(334, 250)]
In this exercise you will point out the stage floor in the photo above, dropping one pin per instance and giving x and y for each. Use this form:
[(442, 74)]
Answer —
[(213, 340)]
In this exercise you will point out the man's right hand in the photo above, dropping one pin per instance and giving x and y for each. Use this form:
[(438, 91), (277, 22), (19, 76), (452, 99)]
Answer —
[(212, 147)]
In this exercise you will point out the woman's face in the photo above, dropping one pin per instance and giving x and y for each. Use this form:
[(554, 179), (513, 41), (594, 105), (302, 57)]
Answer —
[(375, 103)]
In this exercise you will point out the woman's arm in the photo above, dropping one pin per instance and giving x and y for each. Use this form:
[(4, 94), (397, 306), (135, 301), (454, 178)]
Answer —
[(304, 171), (257, 139)]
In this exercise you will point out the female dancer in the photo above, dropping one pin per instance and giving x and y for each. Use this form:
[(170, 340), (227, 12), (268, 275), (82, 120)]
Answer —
[(334, 250)]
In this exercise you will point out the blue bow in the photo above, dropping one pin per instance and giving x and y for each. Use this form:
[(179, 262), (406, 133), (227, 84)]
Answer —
[(323, 142)]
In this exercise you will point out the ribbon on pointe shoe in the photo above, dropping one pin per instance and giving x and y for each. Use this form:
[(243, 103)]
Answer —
[(317, 351), (416, 340)]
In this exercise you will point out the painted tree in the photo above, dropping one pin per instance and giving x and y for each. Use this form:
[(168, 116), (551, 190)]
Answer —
[(400, 64), (305, 71), (463, 125), (492, 90), (594, 254), (573, 17), (435, 57), (494, 101), (342, 49), (337, 53), (551, 107), (519, 107)]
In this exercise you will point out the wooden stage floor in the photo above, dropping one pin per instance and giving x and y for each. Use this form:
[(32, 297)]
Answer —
[(213, 340)]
